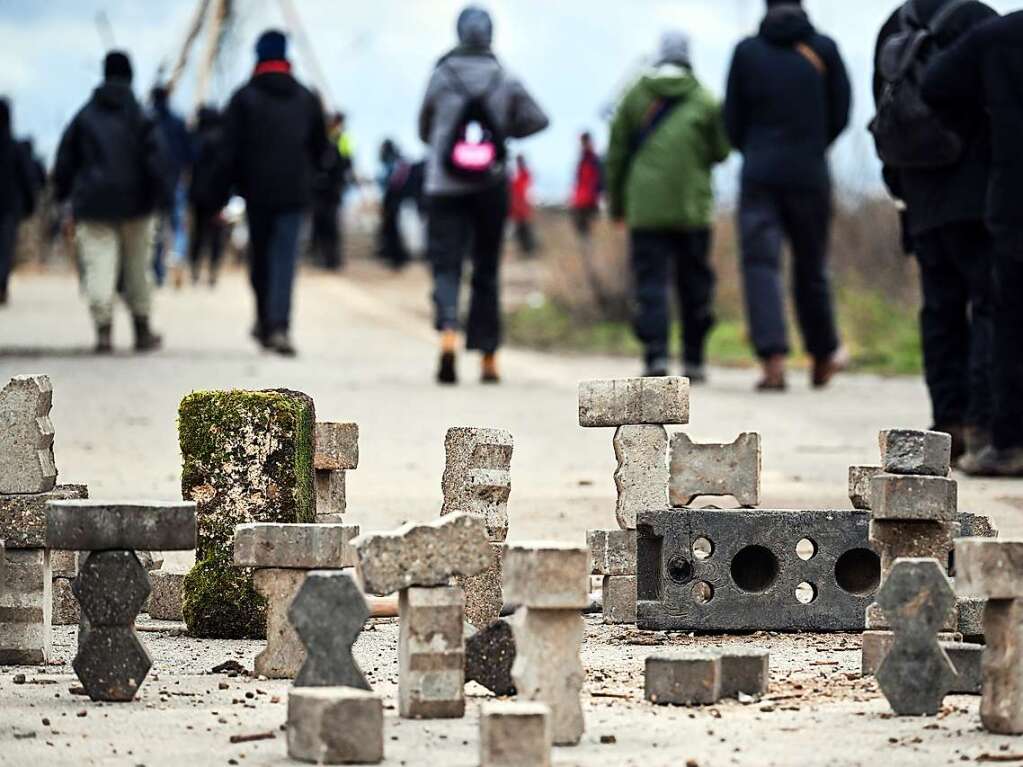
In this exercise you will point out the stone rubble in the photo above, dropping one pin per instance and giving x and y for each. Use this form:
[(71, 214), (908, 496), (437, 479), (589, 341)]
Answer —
[(489, 657)]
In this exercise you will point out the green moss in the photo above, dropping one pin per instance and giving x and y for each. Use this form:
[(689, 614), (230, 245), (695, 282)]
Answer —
[(220, 601)]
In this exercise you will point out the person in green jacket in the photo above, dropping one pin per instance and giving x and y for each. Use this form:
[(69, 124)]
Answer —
[(667, 135)]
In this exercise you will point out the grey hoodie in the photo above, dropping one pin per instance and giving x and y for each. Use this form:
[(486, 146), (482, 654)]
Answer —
[(510, 104)]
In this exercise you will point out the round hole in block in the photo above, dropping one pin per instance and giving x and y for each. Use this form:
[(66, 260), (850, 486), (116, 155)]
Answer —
[(703, 592), (806, 593), (806, 549), (680, 570), (755, 568), (858, 571), (703, 548)]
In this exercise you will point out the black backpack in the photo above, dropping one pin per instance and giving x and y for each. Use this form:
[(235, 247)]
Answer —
[(476, 148), (907, 132)]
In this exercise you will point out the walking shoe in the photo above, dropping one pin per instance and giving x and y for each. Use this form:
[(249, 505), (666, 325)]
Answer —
[(446, 373), (826, 368), (490, 374), (697, 374), (145, 339), (774, 374), (992, 462), (104, 339), (279, 343), (656, 368)]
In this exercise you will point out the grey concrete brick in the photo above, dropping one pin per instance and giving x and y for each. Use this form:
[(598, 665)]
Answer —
[(109, 526), (904, 451), (989, 568), (967, 660), (489, 657), (859, 485), (643, 475), (683, 678), (337, 446), (619, 592), (547, 575), (166, 595), (628, 401), (26, 608), (23, 517), (331, 492), (431, 656), (335, 725), (26, 436), (699, 470), (971, 617), (898, 539), (515, 735), (65, 610), (477, 476), (64, 564), (284, 654), (744, 672), (484, 592), (876, 644), (612, 552), (300, 547), (1001, 701), (914, 498)]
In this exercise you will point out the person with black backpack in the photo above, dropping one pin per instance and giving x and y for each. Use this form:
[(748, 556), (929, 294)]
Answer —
[(471, 108), (939, 169)]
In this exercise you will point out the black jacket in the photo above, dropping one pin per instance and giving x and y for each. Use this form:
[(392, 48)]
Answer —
[(275, 138), (954, 194), (111, 162), (210, 187), (788, 100), (18, 188), (984, 72)]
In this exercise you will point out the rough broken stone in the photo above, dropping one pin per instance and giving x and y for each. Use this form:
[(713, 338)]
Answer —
[(642, 476), (331, 495), (165, 595), (23, 517), (629, 401), (484, 592), (904, 451), (337, 725), (65, 607), (916, 673), (989, 568), (619, 592), (328, 614), (64, 564), (515, 735), (489, 657), (423, 554), (477, 476), (859, 485), (1001, 702), (111, 526), (431, 657), (967, 659), (914, 498), (26, 436), (745, 672), (548, 669), (976, 526), (300, 547), (546, 575), (26, 605), (683, 678), (971, 617), (715, 470), (284, 654), (612, 552), (337, 446)]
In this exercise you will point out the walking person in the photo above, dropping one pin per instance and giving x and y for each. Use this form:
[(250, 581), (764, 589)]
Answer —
[(172, 227), (666, 137), (472, 106), (521, 213), (328, 190), (275, 139), (18, 194), (944, 196), (587, 191), (788, 100), (112, 166), (983, 74), (207, 196), (395, 172)]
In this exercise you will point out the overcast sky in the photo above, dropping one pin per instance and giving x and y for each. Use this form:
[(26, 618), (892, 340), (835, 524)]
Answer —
[(574, 54)]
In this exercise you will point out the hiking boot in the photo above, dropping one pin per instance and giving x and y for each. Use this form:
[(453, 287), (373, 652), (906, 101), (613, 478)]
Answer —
[(697, 374), (774, 374), (279, 343), (959, 444), (992, 462), (656, 368), (446, 373), (826, 368), (489, 373), (145, 339), (104, 339)]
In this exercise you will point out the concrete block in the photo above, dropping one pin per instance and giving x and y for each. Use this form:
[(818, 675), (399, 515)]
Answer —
[(484, 592), (619, 599), (328, 614), (548, 668), (628, 401), (26, 436), (166, 595), (423, 554), (300, 547), (489, 657), (897, 539), (860, 478), (547, 575), (335, 725), (515, 735), (477, 476), (64, 564), (971, 618), (877, 621), (967, 660), (65, 607), (989, 568), (931, 499), (876, 644), (26, 608), (642, 476), (715, 470), (904, 451), (431, 657), (23, 517), (110, 526), (284, 654), (337, 446), (976, 526), (744, 570), (1001, 702), (683, 678), (329, 519), (744, 672), (331, 492), (612, 552)]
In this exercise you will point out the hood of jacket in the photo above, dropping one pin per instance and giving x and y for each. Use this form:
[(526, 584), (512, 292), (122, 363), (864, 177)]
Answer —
[(786, 24), (670, 81), (114, 95)]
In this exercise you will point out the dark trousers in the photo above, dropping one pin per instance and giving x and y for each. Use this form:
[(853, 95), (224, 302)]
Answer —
[(273, 253), (767, 217), (392, 244), (8, 245), (473, 225), (656, 255), (956, 322), (208, 233), (1007, 367), (326, 237), (525, 236)]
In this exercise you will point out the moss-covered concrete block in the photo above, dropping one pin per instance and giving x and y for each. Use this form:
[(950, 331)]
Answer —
[(247, 456)]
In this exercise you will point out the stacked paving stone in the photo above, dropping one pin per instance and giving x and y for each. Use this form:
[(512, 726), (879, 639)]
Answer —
[(28, 477), (335, 725), (112, 584), (549, 583), (418, 561), (696, 677), (337, 452), (281, 556), (515, 735), (477, 481)]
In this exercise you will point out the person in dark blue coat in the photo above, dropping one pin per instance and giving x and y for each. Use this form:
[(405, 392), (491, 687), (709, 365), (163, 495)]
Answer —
[(788, 99), (172, 231), (18, 190)]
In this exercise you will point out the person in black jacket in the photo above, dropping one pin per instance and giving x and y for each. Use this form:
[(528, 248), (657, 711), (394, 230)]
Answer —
[(788, 100), (275, 138), (983, 73), (17, 194), (112, 165), (206, 195)]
